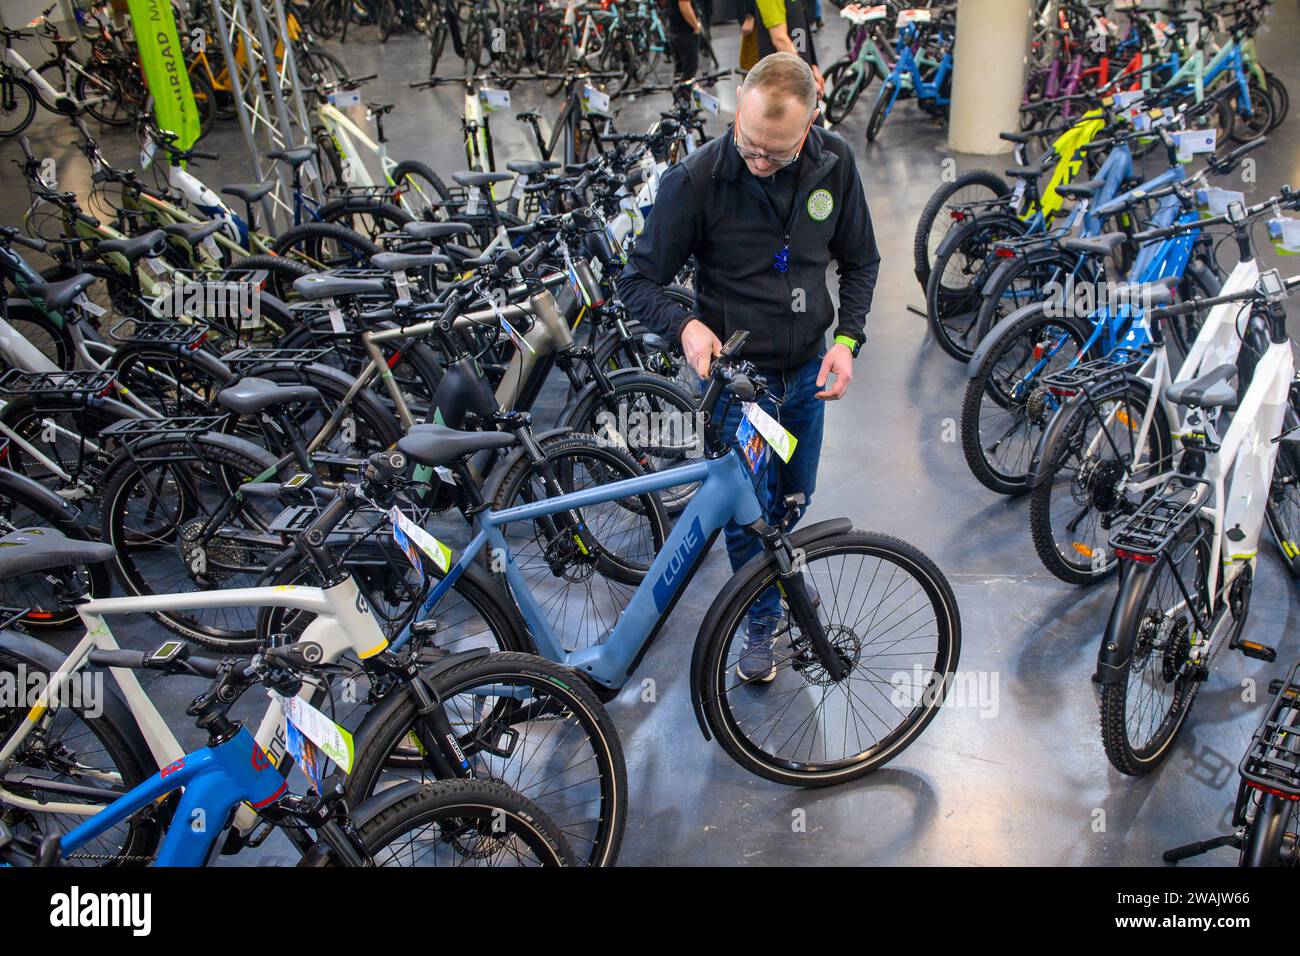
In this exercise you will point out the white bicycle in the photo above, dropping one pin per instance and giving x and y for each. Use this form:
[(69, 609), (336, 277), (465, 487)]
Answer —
[(432, 713), (1189, 551)]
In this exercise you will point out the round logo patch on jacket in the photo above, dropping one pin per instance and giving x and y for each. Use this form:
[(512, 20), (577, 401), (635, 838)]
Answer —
[(820, 204)]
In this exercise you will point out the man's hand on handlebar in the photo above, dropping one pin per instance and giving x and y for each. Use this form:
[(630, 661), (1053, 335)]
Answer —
[(700, 346)]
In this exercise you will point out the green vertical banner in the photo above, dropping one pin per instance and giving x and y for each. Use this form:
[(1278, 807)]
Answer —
[(163, 60)]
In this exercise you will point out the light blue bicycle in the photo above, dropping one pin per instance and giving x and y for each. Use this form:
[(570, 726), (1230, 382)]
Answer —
[(853, 666)]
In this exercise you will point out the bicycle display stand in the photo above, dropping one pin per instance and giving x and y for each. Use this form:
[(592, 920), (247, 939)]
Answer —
[(267, 119)]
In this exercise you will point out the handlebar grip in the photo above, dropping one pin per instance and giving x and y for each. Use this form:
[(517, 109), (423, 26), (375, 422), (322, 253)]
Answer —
[(204, 154), (734, 344), (26, 146), (37, 245), (385, 465), (130, 659)]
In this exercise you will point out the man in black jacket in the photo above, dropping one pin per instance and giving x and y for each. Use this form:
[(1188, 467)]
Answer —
[(763, 209)]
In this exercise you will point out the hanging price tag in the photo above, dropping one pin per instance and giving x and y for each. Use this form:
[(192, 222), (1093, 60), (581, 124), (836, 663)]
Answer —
[(912, 16), (874, 13), (774, 432), (209, 248), (337, 325), (414, 540), (154, 265), (1126, 98), (402, 286), (705, 101), (594, 101), (472, 201), (333, 740), (1285, 235), (517, 190), (147, 152), (1018, 192), (494, 100)]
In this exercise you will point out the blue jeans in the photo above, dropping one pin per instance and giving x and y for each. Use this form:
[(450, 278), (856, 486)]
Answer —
[(802, 414)]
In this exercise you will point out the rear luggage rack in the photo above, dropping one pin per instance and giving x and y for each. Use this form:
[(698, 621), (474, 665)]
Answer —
[(243, 359), (1151, 528), (89, 383), (188, 335), (1118, 361), (1272, 760), (131, 430)]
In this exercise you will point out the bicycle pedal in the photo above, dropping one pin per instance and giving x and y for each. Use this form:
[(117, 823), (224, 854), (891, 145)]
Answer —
[(1260, 652)]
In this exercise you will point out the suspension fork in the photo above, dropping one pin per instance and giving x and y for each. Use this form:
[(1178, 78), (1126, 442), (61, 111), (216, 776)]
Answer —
[(790, 581)]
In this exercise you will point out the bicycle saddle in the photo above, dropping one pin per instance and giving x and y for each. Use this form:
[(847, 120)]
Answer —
[(59, 295), (433, 231), (468, 178), (1210, 390), (315, 287), (1103, 245), (1082, 190), (151, 244), (193, 232), (404, 261), (42, 549), (1016, 137), (248, 192), (250, 395), (1046, 163), (294, 155), (435, 445), (531, 168)]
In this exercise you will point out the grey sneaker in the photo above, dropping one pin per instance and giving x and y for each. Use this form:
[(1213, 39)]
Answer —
[(757, 662)]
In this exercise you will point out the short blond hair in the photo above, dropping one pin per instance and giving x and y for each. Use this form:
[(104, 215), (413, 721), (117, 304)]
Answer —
[(787, 75)]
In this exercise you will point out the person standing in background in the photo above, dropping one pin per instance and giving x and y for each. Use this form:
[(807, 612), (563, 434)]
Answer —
[(783, 28), (684, 35)]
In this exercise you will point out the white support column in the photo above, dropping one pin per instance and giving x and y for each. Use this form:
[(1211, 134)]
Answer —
[(988, 73)]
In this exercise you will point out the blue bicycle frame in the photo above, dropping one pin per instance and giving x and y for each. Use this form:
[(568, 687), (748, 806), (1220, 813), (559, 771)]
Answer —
[(726, 493), (906, 67), (216, 780)]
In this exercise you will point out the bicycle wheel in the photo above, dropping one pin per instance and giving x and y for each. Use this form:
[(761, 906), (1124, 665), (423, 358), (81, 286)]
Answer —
[(845, 86), (976, 185), (1005, 409), (520, 720), (368, 218), (48, 596), (420, 189), (113, 91), (1280, 96), (879, 112), (52, 72), (81, 742), (1283, 508), (281, 271), (582, 582), (321, 246), (163, 507), (1088, 467), (1258, 120), (322, 65), (17, 105), (464, 823), (48, 337), (890, 615), (1146, 703), (650, 418), (953, 289), (1273, 833)]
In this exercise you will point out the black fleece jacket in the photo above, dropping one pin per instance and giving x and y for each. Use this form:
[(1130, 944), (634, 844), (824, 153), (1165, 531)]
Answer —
[(711, 207)]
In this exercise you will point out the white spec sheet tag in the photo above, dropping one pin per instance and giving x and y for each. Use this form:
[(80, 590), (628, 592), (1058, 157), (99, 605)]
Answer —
[(209, 248), (147, 152), (1193, 141), (1018, 192), (1126, 98), (705, 101), (413, 539), (773, 432), (154, 265), (494, 100), (594, 101), (517, 190), (345, 99), (84, 302), (472, 201), (333, 740), (337, 324), (401, 284)]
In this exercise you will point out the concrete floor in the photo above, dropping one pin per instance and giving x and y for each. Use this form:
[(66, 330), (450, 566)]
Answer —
[(1018, 777)]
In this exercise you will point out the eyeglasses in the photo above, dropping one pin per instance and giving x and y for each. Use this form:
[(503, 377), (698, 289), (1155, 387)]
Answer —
[(754, 155)]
